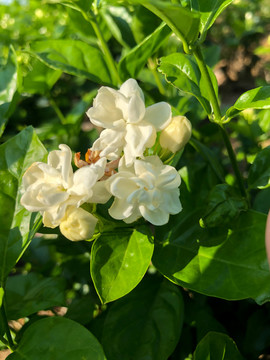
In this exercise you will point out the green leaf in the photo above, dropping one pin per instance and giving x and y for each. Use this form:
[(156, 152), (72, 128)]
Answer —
[(57, 338), (209, 10), (259, 173), (227, 264), (182, 72), (145, 324), (224, 205), (119, 262), (39, 78), (73, 57), (119, 19), (209, 157), (131, 64), (184, 23), (258, 98), (18, 226), (217, 346), (27, 294), (8, 86)]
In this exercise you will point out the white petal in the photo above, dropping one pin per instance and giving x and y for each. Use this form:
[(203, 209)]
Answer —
[(105, 111), (156, 217), (136, 110), (100, 193), (136, 138), (121, 185), (169, 178), (159, 115), (61, 160), (110, 143), (130, 88), (171, 202), (120, 209)]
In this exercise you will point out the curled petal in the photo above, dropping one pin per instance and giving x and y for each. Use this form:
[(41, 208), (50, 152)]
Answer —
[(61, 160), (137, 136), (130, 88), (120, 209), (156, 217), (159, 115)]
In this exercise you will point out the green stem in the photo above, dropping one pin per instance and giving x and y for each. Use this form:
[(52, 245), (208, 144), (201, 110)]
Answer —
[(5, 321), (231, 154), (57, 110), (217, 118), (153, 68), (105, 49)]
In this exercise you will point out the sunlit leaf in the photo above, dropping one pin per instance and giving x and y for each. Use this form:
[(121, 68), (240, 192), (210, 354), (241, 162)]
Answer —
[(18, 226), (119, 262)]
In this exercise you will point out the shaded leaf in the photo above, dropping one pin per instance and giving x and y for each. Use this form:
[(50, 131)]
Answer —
[(73, 57), (27, 294), (259, 173), (119, 261), (228, 264), (217, 346), (18, 226), (57, 338), (145, 324), (224, 205)]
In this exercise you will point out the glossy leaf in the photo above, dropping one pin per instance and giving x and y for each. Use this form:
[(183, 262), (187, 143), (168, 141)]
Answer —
[(217, 346), (131, 64), (259, 173), (228, 264), (258, 98), (145, 324), (144, 23), (8, 86), (73, 57), (224, 205), (182, 72), (119, 21), (57, 338), (39, 78), (209, 10), (27, 294), (18, 226), (119, 262), (185, 24)]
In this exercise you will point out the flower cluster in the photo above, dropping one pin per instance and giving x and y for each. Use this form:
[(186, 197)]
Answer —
[(117, 165)]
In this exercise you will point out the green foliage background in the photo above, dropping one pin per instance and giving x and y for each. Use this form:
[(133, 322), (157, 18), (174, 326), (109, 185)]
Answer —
[(195, 288)]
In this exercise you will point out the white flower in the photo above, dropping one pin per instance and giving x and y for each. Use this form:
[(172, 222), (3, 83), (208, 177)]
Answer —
[(78, 224), (150, 189), (50, 188), (129, 126), (176, 135)]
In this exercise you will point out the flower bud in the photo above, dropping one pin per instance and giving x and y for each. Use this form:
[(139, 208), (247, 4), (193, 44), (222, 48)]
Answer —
[(78, 224), (175, 136)]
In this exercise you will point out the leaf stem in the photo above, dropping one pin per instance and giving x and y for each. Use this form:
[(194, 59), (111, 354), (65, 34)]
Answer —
[(57, 110), (105, 49), (10, 342), (153, 68), (217, 118)]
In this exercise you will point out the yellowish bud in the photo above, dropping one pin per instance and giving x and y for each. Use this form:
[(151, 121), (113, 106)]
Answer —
[(175, 136), (78, 224)]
